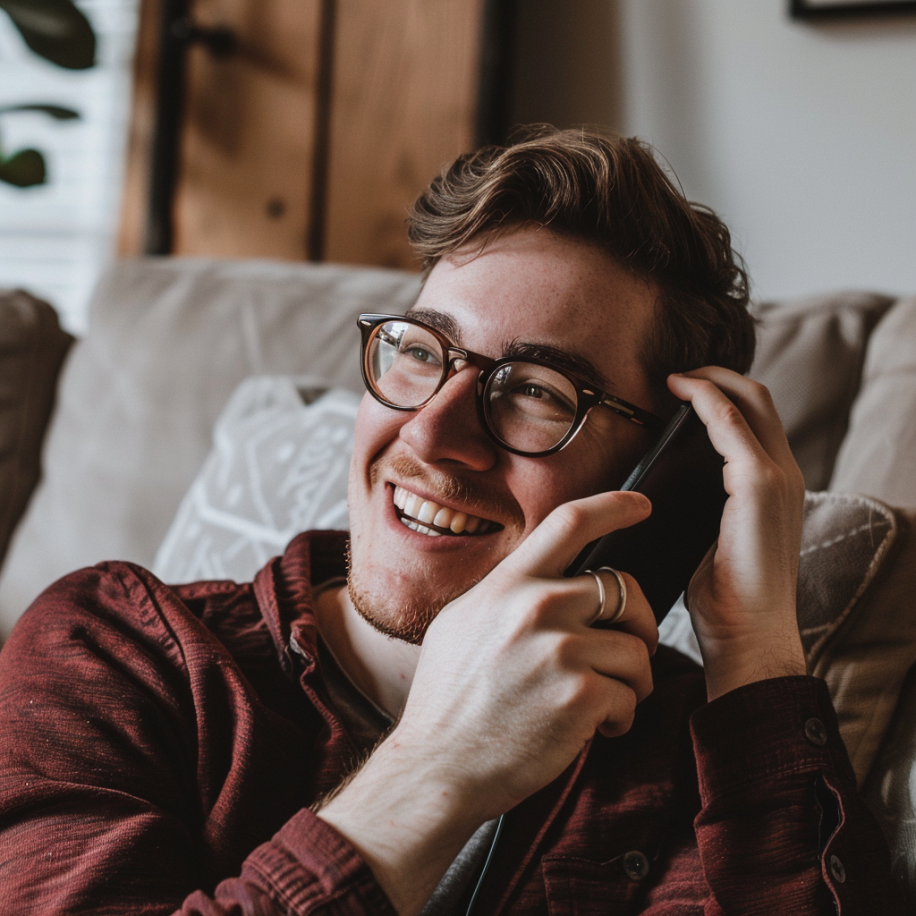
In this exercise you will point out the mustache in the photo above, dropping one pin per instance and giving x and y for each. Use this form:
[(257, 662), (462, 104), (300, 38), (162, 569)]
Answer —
[(470, 492)]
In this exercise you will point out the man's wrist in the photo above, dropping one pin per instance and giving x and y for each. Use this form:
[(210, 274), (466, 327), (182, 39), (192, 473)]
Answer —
[(732, 663), (408, 817)]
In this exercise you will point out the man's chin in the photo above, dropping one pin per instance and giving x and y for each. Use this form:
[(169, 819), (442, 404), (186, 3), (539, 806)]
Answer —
[(409, 624), (404, 619)]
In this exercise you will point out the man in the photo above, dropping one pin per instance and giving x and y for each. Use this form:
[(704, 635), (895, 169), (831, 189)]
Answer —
[(443, 729)]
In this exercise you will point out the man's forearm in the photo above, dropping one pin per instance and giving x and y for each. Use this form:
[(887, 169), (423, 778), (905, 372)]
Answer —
[(408, 821)]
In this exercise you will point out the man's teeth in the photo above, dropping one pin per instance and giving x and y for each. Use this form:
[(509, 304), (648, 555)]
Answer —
[(418, 513)]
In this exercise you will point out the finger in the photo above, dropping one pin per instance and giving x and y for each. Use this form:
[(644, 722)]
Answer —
[(754, 403), (621, 705), (617, 656), (609, 612), (579, 604), (560, 537), (623, 657), (728, 430), (626, 678), (637, 617)]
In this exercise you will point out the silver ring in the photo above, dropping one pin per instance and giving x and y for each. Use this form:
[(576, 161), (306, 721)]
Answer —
[(602, 596), (621, 585)]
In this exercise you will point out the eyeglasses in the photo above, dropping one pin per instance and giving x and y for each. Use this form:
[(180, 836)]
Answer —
[(527, 405)]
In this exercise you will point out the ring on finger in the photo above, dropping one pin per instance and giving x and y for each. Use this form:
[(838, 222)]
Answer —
[(602, 595)]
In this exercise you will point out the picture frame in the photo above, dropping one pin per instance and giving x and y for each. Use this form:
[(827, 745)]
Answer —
[(837, 9)]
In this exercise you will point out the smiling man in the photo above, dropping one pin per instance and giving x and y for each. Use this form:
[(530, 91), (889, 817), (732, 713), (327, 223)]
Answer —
[(436, 726)]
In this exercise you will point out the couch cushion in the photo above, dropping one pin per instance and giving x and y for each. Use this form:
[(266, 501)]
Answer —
[(810, 354), (891, 786), (878, 455), (32, 348), (168, 342), (857, 578), (279, 465)]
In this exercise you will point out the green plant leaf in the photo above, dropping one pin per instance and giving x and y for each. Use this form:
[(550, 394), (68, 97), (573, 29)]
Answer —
[(23, 169), (54, 29), (56, 111)]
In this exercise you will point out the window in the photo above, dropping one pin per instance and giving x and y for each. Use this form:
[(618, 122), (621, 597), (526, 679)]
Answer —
[(54, 238)]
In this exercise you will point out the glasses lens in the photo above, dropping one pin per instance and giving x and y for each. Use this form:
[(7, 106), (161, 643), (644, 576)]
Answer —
[(530, 407), (404, 362)]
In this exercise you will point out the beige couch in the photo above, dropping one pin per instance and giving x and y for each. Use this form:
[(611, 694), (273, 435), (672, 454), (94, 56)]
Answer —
[(193, 434)]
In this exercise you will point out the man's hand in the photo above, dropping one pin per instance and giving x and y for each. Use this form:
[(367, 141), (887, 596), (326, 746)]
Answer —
[(742, 598), (511, 685)]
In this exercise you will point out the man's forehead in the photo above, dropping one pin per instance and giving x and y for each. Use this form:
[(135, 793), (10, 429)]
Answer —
[(535, 289)]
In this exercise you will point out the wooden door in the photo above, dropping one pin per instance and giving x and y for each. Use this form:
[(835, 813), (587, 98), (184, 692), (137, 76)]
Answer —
[(311, 135)]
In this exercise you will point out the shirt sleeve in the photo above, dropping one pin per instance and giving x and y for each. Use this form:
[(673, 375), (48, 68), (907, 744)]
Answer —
[(106, 802), (781, 818), (307, 868)]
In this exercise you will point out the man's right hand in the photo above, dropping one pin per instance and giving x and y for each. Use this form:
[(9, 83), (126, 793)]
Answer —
[(512, 683)]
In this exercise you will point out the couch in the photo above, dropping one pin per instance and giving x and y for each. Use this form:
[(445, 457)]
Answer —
[(207, 416)]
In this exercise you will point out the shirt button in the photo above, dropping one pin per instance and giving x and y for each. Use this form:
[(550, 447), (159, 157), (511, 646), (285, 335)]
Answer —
[(816, 732), (635, 865), (837, 869)]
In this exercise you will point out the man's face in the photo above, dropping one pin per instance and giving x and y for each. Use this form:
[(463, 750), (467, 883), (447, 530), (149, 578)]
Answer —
[(531, 286)]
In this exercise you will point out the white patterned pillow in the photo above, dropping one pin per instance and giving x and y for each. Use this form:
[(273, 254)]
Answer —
[(279, 464)]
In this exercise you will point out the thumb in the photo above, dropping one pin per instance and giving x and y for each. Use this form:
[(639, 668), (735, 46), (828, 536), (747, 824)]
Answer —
[(560, 537)]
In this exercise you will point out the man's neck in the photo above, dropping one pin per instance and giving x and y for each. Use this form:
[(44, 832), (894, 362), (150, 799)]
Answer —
[(380, 666)]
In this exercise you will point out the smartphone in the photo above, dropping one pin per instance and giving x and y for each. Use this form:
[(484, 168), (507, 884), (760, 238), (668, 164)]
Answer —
[(682, 476)]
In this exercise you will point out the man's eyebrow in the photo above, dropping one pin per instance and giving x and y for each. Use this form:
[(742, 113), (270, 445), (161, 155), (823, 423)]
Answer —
[(445, 324), (562, 359)]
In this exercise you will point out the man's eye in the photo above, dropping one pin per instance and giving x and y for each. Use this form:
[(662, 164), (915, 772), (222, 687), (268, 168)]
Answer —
[(536, 396), (420, 354)]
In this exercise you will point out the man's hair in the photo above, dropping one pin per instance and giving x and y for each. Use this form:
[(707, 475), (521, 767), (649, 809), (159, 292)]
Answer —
[(608, 190)]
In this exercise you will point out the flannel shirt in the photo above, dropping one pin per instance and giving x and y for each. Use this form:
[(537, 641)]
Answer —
[(160, 748)]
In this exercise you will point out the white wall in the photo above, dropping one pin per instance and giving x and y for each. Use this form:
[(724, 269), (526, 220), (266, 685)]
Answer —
[(803, 137)]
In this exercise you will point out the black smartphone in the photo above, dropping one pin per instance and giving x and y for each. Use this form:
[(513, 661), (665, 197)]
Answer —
[(682, 476)]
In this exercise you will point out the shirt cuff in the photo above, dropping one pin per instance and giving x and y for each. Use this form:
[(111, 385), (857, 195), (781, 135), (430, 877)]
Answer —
[(309, 863), (766, 731)]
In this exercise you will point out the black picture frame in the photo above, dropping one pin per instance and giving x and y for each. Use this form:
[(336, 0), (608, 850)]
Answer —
[(815, 9)]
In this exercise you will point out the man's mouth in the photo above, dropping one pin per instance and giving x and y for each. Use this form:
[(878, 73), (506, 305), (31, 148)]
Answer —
[(430, 518)]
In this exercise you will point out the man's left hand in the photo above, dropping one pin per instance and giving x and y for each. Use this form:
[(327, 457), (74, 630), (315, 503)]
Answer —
[(742, 598)]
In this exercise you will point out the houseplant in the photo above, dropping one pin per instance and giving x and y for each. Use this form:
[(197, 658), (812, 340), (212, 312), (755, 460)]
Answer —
[(60, 33)]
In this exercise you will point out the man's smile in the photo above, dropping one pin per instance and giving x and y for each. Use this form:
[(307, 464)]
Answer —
[(432, 519)]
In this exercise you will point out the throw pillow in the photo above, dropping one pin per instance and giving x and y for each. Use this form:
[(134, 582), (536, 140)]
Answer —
[(857, 576), (279, 465)]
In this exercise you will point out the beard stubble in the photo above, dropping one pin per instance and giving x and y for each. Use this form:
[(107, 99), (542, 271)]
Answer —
[(409, 620)]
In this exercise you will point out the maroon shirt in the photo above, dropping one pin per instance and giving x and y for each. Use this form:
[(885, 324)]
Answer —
[(160, 748)]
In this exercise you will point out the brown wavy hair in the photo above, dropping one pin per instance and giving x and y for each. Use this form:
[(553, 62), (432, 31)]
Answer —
[(611, 191)]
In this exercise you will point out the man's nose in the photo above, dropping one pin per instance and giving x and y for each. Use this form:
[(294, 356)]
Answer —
[(448, 427)]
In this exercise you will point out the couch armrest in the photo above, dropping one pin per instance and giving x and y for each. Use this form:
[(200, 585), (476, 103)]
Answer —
[(32, 348)]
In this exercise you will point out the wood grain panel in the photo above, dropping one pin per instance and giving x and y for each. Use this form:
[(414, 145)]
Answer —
[(404, 91), (246, 156), (135, 195)]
